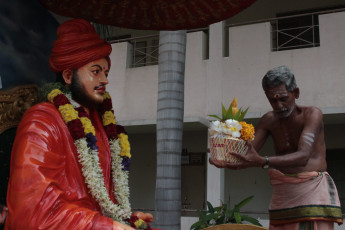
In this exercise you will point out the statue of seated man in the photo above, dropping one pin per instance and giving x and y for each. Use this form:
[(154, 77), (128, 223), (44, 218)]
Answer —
[(70, 160)]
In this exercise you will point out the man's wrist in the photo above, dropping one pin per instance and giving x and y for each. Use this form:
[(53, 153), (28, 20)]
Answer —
[(267, 162)]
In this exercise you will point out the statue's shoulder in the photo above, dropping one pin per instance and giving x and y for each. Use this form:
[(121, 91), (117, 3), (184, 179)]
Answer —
[(43, 106), (43, 109)]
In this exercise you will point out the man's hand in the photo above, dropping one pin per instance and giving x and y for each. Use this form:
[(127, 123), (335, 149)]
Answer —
[(251, 159), (120, 226), (147, 217), (223, 164)]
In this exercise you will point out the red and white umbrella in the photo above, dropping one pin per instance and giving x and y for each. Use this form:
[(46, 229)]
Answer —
[(149, 14)]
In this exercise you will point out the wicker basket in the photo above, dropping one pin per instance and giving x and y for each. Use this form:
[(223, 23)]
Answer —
[(222, 145)]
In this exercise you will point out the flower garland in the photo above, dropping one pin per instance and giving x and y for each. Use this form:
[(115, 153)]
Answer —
[(247, 131), (84, 136)]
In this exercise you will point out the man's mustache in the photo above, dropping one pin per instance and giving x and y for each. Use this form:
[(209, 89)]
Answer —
[(100, 87), (281, 110)]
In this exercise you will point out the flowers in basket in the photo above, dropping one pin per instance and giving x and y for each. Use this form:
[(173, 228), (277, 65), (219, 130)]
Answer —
[(230, 133)]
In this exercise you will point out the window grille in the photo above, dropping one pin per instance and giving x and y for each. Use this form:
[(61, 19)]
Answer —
[(145, 52), (295, 32)]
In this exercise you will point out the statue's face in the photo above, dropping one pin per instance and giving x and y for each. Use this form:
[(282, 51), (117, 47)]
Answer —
[(89, 84), (281, 100)]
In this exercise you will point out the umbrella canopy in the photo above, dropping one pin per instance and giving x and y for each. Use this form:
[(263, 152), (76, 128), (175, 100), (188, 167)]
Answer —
[(149, 14)]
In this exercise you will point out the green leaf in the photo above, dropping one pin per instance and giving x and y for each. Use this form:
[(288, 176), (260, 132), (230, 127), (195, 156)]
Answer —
[(251, 220), (244, 202), (238, 218), (237, 115), (215, 116), (228, 113), (210, 207), (223, 112), (214, 216), (243, 113), (217, 209), (202, 214), (229, 213), (196, 225)]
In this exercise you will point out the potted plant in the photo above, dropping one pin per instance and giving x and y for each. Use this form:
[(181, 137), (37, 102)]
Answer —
[(217, 217)]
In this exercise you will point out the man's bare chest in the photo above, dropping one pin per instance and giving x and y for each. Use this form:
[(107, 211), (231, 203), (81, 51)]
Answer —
[(286, 136)]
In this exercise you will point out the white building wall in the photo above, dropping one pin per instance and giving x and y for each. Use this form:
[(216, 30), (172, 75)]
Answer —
[(319, 71)]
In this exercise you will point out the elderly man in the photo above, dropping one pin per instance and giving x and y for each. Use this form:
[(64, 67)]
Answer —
[(69, 165), (304, 195)]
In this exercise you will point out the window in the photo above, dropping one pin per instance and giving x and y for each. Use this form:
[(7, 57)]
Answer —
[(145, 52), (139, 54), (295, 32)]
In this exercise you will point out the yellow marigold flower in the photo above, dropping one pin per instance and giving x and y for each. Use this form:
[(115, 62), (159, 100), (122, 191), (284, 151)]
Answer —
[(138, 223), (108, 118), (68, 113), (88, 127), (106, 95), (125, 146), (53, 94), (247, 131)]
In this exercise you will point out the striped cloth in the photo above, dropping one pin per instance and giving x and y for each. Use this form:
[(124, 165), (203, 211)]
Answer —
[(303, 197)]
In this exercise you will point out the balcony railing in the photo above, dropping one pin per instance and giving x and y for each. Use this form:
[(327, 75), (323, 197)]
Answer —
[(144, 50), (294, 31), (288, 32)]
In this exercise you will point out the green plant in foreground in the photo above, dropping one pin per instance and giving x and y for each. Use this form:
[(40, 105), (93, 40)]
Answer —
[(223, 215)]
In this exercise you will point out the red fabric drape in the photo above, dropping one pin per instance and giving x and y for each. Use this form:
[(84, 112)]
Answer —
[(46, 188)]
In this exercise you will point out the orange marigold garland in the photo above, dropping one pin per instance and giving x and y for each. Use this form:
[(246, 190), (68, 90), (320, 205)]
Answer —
[(247, 131)]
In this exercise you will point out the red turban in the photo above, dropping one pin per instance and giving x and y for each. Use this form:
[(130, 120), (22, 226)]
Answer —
[(77, 44)]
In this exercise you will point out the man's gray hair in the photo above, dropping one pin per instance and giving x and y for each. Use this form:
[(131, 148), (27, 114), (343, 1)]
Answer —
[(278, 76)]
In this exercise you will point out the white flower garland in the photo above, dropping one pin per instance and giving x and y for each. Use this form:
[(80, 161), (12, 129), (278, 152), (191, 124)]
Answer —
[(94, 178)]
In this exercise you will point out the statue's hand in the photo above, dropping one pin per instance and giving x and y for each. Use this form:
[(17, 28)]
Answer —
[(147, 217), (120, 226)]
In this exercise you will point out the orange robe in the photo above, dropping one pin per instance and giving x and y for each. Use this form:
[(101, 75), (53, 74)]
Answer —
[(46, 188)]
